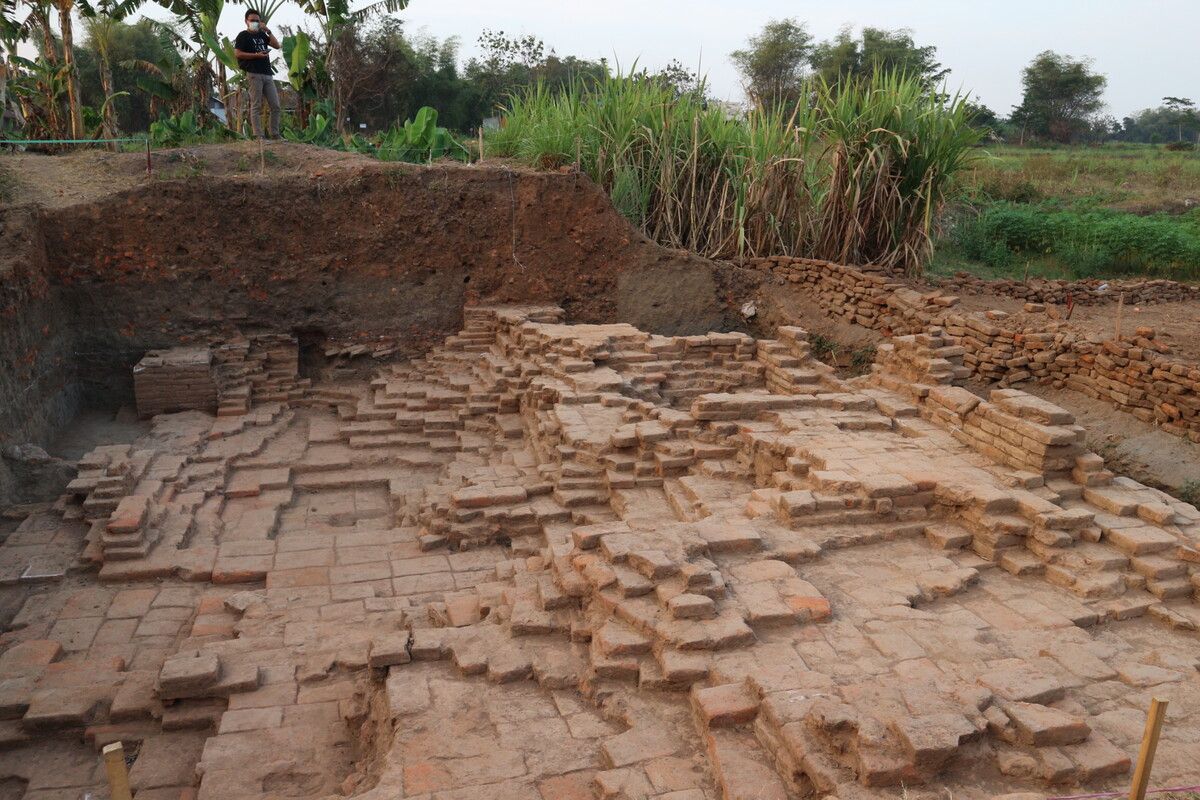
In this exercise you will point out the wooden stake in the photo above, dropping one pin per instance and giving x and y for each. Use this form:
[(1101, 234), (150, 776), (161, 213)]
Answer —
[(262, 156), (149, 163), (1120, 312), (481, 141), (1141, 775), (118, 776)]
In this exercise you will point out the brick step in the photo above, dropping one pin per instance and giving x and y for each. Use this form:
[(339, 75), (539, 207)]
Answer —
[(743, 768), (128, 553)]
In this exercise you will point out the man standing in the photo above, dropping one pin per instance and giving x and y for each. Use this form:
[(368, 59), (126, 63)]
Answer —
[(253, 50)]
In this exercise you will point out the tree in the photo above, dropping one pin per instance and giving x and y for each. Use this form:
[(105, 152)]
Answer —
[(1062, 97), (775, 63), (511, 63), (1184, 110), (101, 23), (876, 50), (981, 117), (38, 86), (66, 29), (11, 34), (679, 78), (1175, 121), (337, 23), (128, 45)]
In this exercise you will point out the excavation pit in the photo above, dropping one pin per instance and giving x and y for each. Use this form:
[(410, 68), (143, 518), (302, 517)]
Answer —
[(554, 555)]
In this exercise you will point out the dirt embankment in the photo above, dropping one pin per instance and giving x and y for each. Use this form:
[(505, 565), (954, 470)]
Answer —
[(356, 246)]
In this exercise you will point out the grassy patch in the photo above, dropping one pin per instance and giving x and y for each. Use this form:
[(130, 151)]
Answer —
[(1086, 243), (1073, 212)]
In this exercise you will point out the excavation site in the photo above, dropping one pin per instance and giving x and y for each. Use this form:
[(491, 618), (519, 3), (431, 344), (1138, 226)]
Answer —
[(327, 477)]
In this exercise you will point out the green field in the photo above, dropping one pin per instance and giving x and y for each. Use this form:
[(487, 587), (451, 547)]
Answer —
[(1071, 212)]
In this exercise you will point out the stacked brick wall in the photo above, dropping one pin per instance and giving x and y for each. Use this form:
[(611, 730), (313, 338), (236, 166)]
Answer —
[(1133, 373), (261, 369), (1011, 427), (1084, 292), (178, 379)]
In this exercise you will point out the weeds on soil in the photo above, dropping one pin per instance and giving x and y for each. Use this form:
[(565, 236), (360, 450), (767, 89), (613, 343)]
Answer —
[(7, 185), (854, 174), (1189, 493), (829, 352)]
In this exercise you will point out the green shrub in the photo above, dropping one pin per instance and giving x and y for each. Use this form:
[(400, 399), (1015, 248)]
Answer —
[(188, 128), (1091, 242), (971, 238)]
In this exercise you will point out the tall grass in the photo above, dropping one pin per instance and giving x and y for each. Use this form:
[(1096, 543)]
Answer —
[(854, 175)]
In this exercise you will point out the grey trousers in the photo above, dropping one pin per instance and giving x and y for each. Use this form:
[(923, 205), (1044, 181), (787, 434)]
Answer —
[(263, 85)]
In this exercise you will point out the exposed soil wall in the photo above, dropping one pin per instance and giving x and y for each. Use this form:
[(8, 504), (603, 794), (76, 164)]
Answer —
[(364, 251), (38, 388)]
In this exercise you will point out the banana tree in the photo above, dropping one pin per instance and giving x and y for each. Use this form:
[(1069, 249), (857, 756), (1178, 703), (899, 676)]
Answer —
[(101, 21), (305, 75), (337, 21), (33, 89), (166, 82), (195, 32), (11, 34), (220, 47), (43, 73), (39, 88), (66, 29)]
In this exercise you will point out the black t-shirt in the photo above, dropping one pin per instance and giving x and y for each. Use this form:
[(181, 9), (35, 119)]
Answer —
[(257, 42)]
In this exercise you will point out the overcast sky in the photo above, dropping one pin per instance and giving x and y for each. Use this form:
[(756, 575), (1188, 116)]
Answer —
[(1147, 49)]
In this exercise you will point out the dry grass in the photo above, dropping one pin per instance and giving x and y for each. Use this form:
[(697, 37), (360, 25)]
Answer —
[(1137, 178)]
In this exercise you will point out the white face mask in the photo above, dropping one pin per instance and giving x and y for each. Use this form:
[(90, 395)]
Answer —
[(254, 26)]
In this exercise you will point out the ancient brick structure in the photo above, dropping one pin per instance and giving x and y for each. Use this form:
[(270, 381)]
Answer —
[(1134, 373), (226, 378), (585, 561), (1091, 291), (177, 379)]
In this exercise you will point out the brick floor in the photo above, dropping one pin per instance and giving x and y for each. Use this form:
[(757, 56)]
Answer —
[(566, 561)]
